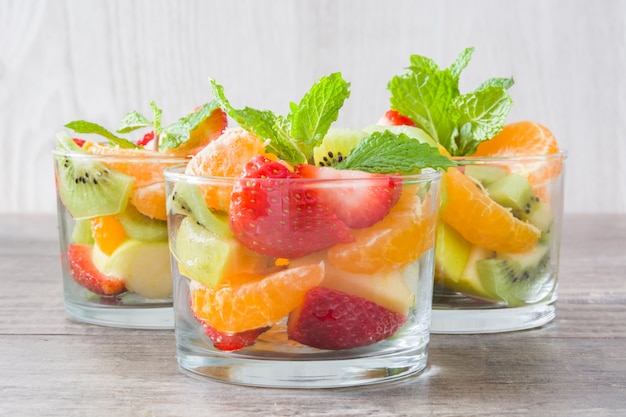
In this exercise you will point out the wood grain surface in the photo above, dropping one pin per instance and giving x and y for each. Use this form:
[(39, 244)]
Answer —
[(62, 60), (575, 366)]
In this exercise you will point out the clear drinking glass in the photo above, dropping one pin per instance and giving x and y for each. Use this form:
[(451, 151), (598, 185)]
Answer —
[(345, 313), (498, 241), (113, 238)]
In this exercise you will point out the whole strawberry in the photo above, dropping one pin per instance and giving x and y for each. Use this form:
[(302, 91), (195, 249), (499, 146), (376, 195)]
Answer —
[(272, 213), (331, 319)]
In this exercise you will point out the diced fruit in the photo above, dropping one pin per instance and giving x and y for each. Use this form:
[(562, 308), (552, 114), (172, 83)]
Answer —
[(363, 201), (88, 188), (149, 200), (278, 218), (388, 289), (257, 303), (187, 199), (331, 319), (209, 258), (140, 227), (229, 342), (393, 118), (336, 145), (514, 192), (87, 275), (468, 209), (144, 267), (108, 233), (81, 233), (224, 157), (485, 174), (392, 243), (451, 254), (207, 131), (517, 279), (468, 282)]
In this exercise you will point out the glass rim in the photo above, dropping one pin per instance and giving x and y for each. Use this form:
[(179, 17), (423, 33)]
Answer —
[(562, 154), (176, 173), (149, 157)]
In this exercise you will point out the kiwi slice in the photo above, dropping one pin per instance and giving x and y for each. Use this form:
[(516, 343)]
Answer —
[(517, 279), (87, 188), (186, 199), (485, 174), (143, 228), (514, 191), (336, 145)]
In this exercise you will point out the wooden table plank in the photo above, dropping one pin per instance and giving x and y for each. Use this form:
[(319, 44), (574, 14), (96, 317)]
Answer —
[(575, 366)]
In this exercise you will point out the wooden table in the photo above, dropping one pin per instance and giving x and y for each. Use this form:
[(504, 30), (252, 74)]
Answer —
[(575, 366)]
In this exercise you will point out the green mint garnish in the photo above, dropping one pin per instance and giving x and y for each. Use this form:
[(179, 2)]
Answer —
[(430, 97), (167, 137), (388, 153), (293, 137), (84, 127)]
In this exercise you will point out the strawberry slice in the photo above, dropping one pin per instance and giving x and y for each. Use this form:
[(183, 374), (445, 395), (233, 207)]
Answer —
[(273, 214), (229, 342), (393, 118), (334, 320), (146, 139), (87, 275), (364, 202)]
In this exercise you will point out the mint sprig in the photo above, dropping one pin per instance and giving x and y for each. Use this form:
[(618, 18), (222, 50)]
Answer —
[(388, 153), (430, 97), (293, 137), (84, 127)]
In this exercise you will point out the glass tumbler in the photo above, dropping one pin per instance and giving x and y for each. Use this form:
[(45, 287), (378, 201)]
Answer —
[(497, 257), (113, 238), (272, 289)]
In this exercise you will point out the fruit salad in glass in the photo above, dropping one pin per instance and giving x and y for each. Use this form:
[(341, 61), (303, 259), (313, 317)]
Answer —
[(112, 214), (302, 253), (498, 239)]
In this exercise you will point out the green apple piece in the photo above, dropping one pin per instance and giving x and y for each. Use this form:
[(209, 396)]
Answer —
[(411, 131), (485, 174), (469, 282), (144, 267), (81, 233)]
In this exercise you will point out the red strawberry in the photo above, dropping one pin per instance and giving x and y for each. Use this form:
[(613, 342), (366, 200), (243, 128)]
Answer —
[(367, 199), (331, 319), (87, 275), (272, 213), (229, 342), (146, 139), (79, 142), (393, 118)]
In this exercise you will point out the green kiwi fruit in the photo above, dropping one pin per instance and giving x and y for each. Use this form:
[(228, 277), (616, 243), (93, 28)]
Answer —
[(336, 146), (517, 279), (187, 200), (88, 188), (485, 174), (142, 228), (514, 191)]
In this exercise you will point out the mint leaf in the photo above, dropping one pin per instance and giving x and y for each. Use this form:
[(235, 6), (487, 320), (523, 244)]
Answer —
[(319, 108), (388, 153), (157, 114), (133, 120), (460, 63), (177, 133), (84, 127), (480, 116), (501, 82)]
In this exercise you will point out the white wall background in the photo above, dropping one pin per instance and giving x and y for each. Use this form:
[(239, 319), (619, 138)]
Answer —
[(96, 59)]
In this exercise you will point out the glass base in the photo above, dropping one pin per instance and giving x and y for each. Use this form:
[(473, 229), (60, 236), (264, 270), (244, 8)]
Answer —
[(495, 320), (153, 318), (302, 373)]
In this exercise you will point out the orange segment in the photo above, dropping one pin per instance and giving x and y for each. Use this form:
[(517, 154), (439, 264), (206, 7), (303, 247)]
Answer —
[(392, 243), (255, 303), (150, 200), (525, 138), (108, 233), (479, 219), (224, 157)]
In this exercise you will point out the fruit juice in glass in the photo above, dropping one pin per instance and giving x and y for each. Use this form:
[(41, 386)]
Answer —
[(113, 235), (272, 288), (498, 240)]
